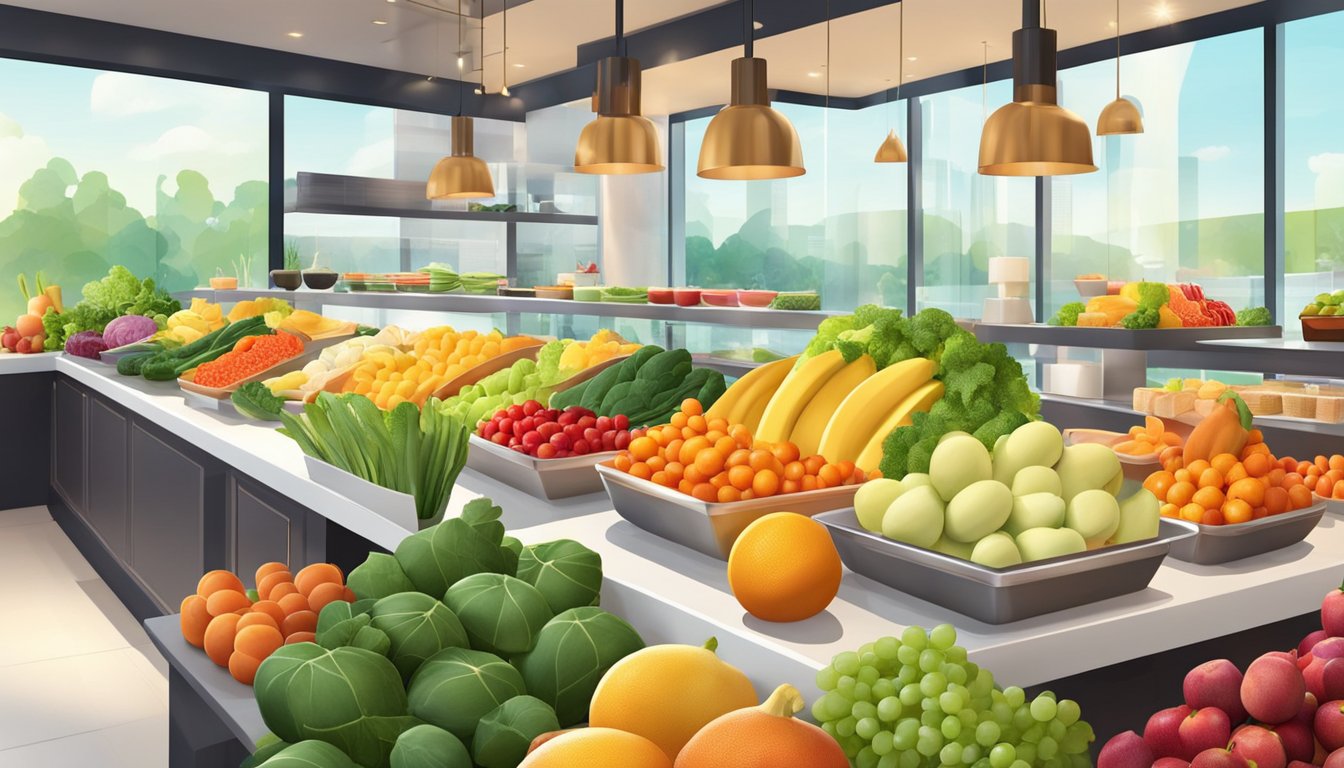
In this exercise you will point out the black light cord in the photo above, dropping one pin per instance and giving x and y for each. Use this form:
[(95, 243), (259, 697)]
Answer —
[(748, 32)]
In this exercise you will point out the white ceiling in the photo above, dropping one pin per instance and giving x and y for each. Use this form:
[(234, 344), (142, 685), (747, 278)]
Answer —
[(941, 35)]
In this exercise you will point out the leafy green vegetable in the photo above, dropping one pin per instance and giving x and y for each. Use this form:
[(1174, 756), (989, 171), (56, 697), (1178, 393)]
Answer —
[(566, 573), (255, 400), (1152, 295), (1068, 314), (512, 549), (267, 747), (429, 746), (502, 614), (456, 687), (418, 626), (342, 625), (1254, 316), (1142, 318), (502, 738), (350, 698), (574, 650), (378, 576), (171, 363), (308, 754), (438, 557), (797, 302), (119, 293)]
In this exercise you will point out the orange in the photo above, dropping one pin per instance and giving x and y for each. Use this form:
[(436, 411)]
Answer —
[(1255, 437), (1197, 467), (318, 573), (641, 470), (767, 735), (691, 407), (697, 424), (1248, 489), (692, 448), (194, 619), (706, 686), (1322, 463), (1236, 511), (784, 567), (1237, 472), (709, 461), (719, 480), (1209, 497), (1213, 517), (1183, 476), (1210, 478), (765, 483), (1291, 479), (226, 601), (215, 581), (1170, 510), (1223, 462), (1257, 465), (597, 748), (785, 452), (762, 459), (1336, 462), (1276, 500), (642, 448), (728, 494), (1181, 493), (705, 492), (1159, 483), (1192, 512)]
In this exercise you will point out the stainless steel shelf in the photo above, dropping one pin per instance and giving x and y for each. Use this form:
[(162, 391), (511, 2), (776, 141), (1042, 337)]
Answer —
[(1287, 436), (736, 368), (1118, 338), (359, 196), (1272, 356), (453, 302)]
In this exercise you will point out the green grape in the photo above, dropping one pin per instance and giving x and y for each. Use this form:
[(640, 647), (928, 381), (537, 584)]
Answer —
[(943, 636), (1026, 752), (1068, 712), (866, 758), (1055, 729), (846, 663), (867, 728), (846, 684), (950, 727), (915, 637), (931, 719), (987, 734), (1015, 696), (928, 746), (890, 760), (833, 706), (970, 754), (1034, 734), (889, 709), (867, 658), (829, 727), (909, 674), (910, 759), (930, 660), (950, 702), (969, 719), (956, 654), (908, 655), (851, 744), (983, 762), (1020, 764), (884, 688), (982, 684), (844, 728), (911, 695), (826, 678), (1054, 762), (1076, 739), (1049, 695), (865, 648), (1002, 756), (1043, 709), (863, 692), (930, 705), (1047, 748), (1003, 714), (955, 673), (950, 754), (933, 684), (862, 709), (886, 648), (868, 675), (1080, 761), (906, 734), (1022, 719), (882, 743)]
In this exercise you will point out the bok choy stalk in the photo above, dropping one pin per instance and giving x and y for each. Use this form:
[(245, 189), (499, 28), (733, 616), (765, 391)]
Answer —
[(407, 449)]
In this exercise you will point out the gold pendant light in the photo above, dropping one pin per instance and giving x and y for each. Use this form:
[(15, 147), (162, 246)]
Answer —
[(1120, 117), (619, 140), (747, 139), (892, 150), (1033, 135), (461, 175)]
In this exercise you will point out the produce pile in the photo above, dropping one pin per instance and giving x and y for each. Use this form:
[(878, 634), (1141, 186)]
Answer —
[(1145, 305), (647, 387), (461, 648), (439, 354), (445, 279), (240, 628), (707, 457), (530, 379), (28, 334), (915, 701), (1325, 305), (120, 293), (1325, 475), (554, 434), (338, 358), (1226, 474), (163, 361), (1189, 398), (408, 449), (1033, 498), (190, 324), (249, 357), (1286, 709)]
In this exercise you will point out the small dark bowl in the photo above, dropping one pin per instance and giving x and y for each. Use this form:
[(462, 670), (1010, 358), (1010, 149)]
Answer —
[(320, 281), (289, 279)]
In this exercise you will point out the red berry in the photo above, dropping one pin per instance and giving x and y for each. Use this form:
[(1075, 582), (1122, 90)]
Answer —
[(516, 412), (581, 447), (603, 424), (518, 448), (609, 441), (592, 436), (532, 439), (519, 429), (506, 425), (546, 451), (622, 440), (567, 418), (561, 441), (531, 407), (548, 429), (488, 429), (500, 438), (620, 421)]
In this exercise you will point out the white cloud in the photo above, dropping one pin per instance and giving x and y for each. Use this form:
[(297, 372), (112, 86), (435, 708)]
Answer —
[(20, 157), (9, 128), (187, 140), (1329, 170), (1326, 161), (118, 94), (373, 160), (1212, 154)]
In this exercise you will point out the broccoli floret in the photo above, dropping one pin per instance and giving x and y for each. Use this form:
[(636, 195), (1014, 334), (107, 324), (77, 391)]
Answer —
[(921, 455), (961, 351), (866, 315), (896, 448), (929, 329), (1000, 425), (891, 339), (1152, 296), (850, 350), (971, 384), (1254, 316), (828, 332), (1141, 318), (1068, 314)]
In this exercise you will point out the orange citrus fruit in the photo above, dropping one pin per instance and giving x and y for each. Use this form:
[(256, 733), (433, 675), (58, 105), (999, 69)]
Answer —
[(784, 567), (597, 748)]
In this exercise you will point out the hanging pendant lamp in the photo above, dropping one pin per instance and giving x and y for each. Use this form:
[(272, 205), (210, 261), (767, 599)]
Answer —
[(619, 140), (747, 139), (461, 175), (892, 150), (1033, 135), (1120, 117)]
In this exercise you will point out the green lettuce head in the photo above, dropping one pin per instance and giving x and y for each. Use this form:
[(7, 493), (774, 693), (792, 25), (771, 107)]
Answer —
[(502, 738), (428, 746), (573, 652), (307, 754), (566, 573), (456, 687), (378, 576), (502, 614), (418, 626)]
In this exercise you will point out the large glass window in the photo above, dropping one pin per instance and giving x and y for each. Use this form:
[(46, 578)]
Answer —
[(1182, 202), (1313, 173), (165, 177)]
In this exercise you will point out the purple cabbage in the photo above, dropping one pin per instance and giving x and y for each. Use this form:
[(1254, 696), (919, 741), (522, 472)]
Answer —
[(128, 329), (86, 344)]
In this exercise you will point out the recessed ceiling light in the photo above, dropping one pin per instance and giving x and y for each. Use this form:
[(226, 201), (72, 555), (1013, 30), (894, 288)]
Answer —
[(757, 25), (296, 35), (518, 66), (1163, 11), (912, 58), (814, 74), (909, 77), (380, 22)]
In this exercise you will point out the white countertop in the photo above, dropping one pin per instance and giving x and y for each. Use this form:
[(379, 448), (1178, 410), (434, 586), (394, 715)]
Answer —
[(42, 362), (673, 594)]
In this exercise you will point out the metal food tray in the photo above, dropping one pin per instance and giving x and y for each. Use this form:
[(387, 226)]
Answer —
[(1001, 595), (226, 407), (1213, 544), (1332, 506), (544, 478), (707, 527)]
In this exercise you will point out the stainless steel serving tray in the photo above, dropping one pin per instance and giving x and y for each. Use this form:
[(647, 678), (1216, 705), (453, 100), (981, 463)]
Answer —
[(1213, 544), (544, 478), (1001, 595), (702, 526), (1332, 506)]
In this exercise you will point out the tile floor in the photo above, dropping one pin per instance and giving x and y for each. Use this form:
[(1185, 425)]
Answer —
[(80, 683)]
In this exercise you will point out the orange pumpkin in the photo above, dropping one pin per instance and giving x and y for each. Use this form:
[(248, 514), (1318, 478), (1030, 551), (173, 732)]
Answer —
[(763, 737)]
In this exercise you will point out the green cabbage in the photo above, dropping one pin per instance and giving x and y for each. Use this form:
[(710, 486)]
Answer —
[(574, 650), (565, 572), (350, 698), (419, 627), (378, 576), (428, 746), (347, 625), (502, 614), (456, 687), (437, 558), (502, 738), (308, 754)]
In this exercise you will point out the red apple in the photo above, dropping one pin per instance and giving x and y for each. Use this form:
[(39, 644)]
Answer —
[(1330, 725), (1260, 745), (1310, 641), (1298, 741), (1335, 759), (1329, 648), (1300, 764), (1126, 750), (1171, 762), (1217, 757), (1216, 683), (1204, 729), (1162, 733), (1332, 612), (1325, 678), (1272, 688)]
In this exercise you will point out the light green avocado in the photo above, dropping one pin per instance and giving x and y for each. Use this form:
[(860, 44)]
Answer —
[(1085, 467), (956, 463), (1044, 543), (997, 550), (1140, 518), (1034, 444), (1095, 515), (1035, 510), (915, 517), (873, 499), (1037, 480), (980, 509), (953, 548)]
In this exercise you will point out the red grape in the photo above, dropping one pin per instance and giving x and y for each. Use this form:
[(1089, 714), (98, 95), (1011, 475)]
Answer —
[(561, 440), (546, 451), (591, 435), (581, 447), (620, 421), (603, 424), (622, 440), (500, 438), (531, 407), (516, 412)]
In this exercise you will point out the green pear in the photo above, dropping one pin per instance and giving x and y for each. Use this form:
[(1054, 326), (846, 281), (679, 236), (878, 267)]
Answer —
[(873, 499), (915, 479), (915, 517), (1034, 444), (1035, 510), (1094, 514), (1037, 480), (1085, 467), (952, 548), (980, 509), (1044, 543), (957, 462), (1140, 517), (997, 550)]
